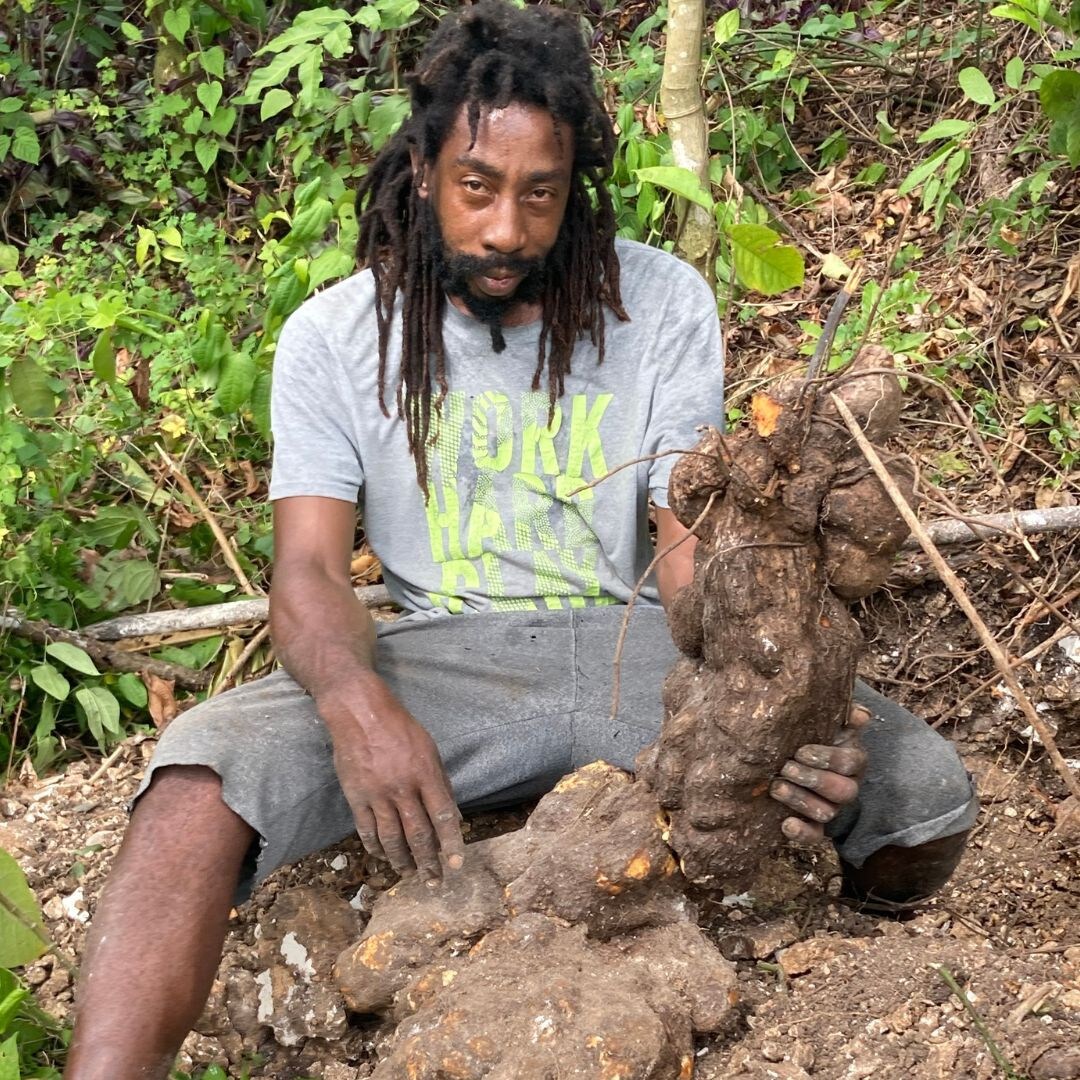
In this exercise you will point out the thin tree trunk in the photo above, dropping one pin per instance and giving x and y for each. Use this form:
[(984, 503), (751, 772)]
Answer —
[(684, 114)]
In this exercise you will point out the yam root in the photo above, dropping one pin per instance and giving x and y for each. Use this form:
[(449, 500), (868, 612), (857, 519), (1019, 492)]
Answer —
[(569, 948), (797, 527), (571, 935)]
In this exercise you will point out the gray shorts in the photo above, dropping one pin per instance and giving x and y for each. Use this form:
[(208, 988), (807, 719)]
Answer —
[(514, 701)]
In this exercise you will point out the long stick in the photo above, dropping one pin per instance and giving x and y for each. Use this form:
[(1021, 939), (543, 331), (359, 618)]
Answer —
[(950, 531), (105, 656), (237, 613), (1001, 658), (222, 540)]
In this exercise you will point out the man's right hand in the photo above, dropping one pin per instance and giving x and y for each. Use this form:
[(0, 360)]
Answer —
[(393, 778)]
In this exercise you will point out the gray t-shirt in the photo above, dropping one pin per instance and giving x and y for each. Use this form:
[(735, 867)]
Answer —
[(503, 528)]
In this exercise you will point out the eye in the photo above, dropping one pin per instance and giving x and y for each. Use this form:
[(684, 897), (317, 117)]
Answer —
[(471, 184)]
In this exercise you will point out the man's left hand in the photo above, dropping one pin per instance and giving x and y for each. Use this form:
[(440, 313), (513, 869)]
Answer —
[(820, 780)]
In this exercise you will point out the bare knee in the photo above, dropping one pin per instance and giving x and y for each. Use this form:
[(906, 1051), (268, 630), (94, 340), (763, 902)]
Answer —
[(191, 794)]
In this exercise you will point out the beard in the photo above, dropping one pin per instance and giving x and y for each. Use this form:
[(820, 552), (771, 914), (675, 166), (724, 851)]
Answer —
[(454, 270)]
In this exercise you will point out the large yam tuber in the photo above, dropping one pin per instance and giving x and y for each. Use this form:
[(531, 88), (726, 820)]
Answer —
[(795, 527), (568, 948)]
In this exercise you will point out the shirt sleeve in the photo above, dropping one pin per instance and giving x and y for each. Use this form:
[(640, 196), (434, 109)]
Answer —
[(689, 390), (315, 452)]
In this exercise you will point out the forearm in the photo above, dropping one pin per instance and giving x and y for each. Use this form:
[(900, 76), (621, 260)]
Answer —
[(323, 635)]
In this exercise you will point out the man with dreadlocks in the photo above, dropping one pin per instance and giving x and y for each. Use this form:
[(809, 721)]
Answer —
[(500, 352)]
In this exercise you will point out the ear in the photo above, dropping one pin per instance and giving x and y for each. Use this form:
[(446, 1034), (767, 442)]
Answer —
[(419, 171)]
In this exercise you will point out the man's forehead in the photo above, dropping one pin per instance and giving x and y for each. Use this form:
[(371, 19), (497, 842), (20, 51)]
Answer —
[(493, 119)]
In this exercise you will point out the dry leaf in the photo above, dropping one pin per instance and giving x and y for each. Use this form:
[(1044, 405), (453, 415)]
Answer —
[(162, 703), (1071, 287)]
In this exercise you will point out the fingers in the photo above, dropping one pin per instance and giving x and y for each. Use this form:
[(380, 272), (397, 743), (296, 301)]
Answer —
[(841, 760), (851, 732), (803, 802), (445, 816), (368, 830), (420, 837), (802, 832), (392, 838)]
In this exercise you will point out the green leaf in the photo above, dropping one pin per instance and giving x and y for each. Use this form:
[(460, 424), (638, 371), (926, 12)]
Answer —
[(209, 95), (103, 357), (25, 145), (288, 288), (975, 86), (761, 262), (234, 386), (222, 121), (206, 150), (113, 527), (30, 389), (946, 129), (310, 224), (1011, 11), (674, 178), (385, 118), (102, 711), (178, 22), (72, 656), (332, 263), (123, 583), (212, 346), (727, 26), (49, 679), (9, 257), (9, 1058), (923, 170), (1014, 73), (260, 402), (133, 690), (273, 102), (19, 941), (1059, 95), (212, 61)]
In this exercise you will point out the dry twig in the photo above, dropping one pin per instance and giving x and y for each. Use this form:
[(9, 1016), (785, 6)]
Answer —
[(1001, 659), (223, 543)]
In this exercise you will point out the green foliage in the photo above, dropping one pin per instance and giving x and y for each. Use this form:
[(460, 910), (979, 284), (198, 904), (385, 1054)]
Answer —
[(32, 1043)]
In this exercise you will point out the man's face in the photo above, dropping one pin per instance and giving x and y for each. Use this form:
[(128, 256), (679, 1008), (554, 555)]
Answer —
[(498, 205)]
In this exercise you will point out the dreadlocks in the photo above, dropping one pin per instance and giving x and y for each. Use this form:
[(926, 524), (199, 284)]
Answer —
[(490, 56)]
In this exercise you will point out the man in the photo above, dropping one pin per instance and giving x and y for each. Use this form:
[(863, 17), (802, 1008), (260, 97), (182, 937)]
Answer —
[(500, 353)]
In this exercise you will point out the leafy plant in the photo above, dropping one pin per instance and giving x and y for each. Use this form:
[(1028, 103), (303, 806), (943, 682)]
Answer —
[(32, 1043)]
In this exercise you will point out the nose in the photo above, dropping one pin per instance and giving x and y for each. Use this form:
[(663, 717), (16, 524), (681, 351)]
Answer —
[(504, 227)]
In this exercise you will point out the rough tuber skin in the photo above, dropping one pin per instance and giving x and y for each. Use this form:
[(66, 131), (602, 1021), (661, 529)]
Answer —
[(568, 948), (796, 527)]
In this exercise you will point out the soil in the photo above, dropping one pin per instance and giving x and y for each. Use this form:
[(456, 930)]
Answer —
[(823, 990)]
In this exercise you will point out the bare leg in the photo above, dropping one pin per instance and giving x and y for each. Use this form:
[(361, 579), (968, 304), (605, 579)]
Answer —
[(159, 928)]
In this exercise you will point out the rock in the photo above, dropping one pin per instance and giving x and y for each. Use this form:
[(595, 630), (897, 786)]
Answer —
[(758, 942), (1067, 820), (297, 1010), (818, 952), (307, 928), (1057, 1063), (242, 1003), (992, 783), (301, 936), (780, 1070)]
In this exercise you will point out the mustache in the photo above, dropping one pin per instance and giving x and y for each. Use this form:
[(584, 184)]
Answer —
[(461, 265)]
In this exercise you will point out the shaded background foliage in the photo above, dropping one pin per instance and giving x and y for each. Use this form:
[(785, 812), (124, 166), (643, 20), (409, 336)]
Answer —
[(176, 177)]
